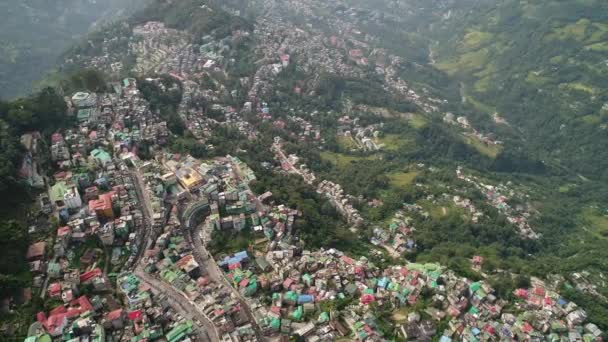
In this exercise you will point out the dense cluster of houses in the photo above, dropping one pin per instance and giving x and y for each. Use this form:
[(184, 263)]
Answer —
[(290, 286), (398, 237), (338, 198), (96, 196), (132, 225), (463, 122), (499, 196), (365, 138)]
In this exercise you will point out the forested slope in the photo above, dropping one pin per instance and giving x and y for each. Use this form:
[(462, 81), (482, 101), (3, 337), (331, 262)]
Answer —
[(542, 66)]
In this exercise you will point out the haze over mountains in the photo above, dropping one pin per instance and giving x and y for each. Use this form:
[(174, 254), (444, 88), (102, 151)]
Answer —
[(34, 33)]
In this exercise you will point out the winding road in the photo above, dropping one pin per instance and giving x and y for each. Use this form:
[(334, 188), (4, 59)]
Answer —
[(184, 306), (178, 300), (206, 261)]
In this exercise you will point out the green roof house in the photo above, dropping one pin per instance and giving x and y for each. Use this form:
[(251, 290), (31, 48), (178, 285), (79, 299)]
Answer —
[(101, 157)]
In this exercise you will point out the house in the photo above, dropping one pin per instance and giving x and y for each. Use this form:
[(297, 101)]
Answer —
[(84, 99), (36, 251), (101, 157), (60, 191), (54, 290), (115, 319), (102, 206)]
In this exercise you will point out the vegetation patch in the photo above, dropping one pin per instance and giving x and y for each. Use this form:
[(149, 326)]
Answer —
[(603, 46), (482, 85), (467, 62), (347, 143), (592, 119), (575, 31), (341, 160), (438, 210), (566, 188), (597, 221), (600, 32), (578, 86), (476, 39), (483, 148), (394, 142), (402, 179), (417, 121), (480, 106), (535, 77)]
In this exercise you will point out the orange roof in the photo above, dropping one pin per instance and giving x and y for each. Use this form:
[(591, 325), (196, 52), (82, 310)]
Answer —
[(114, 315), (184, 261), (90, 275), (104, 202)]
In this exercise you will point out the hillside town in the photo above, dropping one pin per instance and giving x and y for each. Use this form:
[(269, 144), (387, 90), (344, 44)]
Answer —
[(130, 258), (145, 243)]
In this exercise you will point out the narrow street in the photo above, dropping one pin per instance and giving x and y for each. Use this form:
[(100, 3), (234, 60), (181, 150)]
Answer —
[(184, 306), (208, 264), (188, 309), (144, 238)]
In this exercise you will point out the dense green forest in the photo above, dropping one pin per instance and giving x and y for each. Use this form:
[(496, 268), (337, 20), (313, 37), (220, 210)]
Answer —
[(539, 65), (543, 67)]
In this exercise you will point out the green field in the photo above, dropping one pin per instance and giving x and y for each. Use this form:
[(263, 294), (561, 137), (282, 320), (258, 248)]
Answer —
[(536, 79), (599, 32), (467, 62), (566, 188), (347, 143), (488, 150), (596, 222), (575, 31), (401, 179), (438, 210), (417, 121), (394, 142), (597, 47), (476, 39), (342, 160), (578, 86)]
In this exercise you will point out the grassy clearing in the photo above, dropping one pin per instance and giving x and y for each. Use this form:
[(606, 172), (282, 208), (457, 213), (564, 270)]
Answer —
[(394, 142), (576, 31), (536, 78), (578, 86), (400, 315), (601, 47), (600, 32), (347, 143), (417, 121), (592, 119), (480, 106), (488, 150), (566, 188), (485, 77), (438, 210), (476, 39), (467, 62), (401, 179), (482, 85), (342, 160), (596, 221)]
